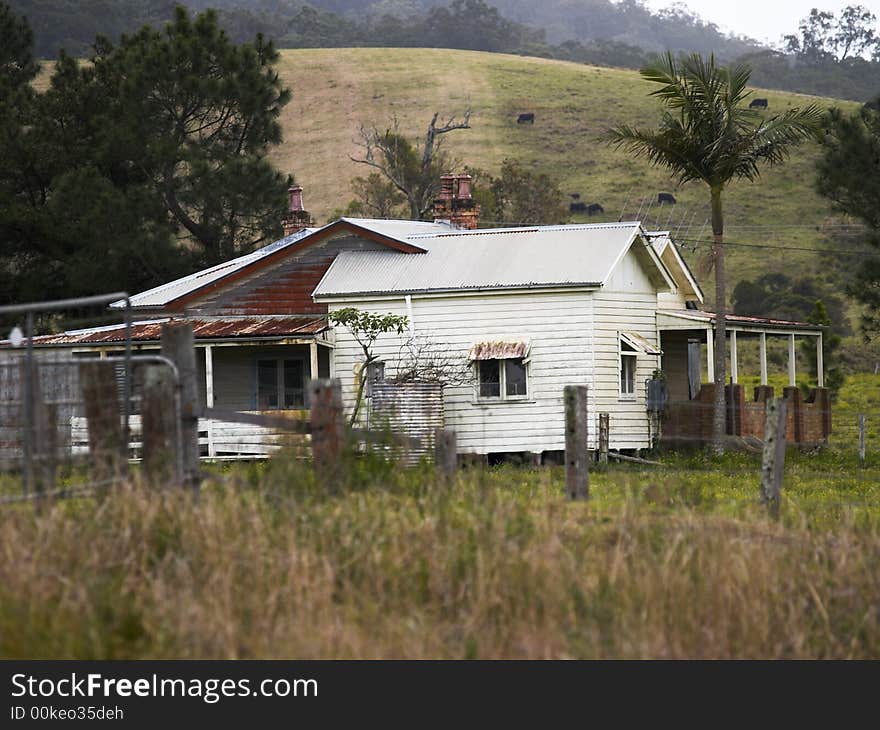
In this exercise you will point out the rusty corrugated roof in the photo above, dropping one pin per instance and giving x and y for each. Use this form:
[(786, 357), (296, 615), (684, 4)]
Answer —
[(203, 329), (163, 294), (699, 314), (498, 350)]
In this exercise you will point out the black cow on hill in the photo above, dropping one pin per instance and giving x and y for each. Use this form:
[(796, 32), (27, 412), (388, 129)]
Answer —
[(577, 207), (665, 198), (528, 118), (594, 208), (575, 196), (758, 103)]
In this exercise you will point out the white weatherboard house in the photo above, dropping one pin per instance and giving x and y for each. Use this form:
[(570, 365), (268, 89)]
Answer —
[(533, 309), (524, 311)]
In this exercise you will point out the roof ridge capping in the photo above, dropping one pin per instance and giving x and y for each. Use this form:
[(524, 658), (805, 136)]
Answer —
[(532, 229)]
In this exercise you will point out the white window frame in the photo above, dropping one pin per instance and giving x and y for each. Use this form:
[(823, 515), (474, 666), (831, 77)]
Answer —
[(502, 376), (279, 361), (631, 355)]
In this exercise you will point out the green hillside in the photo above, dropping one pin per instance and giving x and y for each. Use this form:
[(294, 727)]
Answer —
[(336, 89)]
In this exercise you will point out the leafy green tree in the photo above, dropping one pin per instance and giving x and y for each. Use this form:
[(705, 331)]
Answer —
[(375, 197), (523, 197), (413, 169), (778, 295), (366, 327), (199, 114), (140, 166), (17, 64), (708, 134), (855, 32), (816, 36), (848, 174), (824, 36), (834, 376)]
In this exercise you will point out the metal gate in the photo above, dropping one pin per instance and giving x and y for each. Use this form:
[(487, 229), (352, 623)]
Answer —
[(69, 421)]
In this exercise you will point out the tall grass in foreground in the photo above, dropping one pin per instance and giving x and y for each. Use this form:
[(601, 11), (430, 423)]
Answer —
[(500, 565)]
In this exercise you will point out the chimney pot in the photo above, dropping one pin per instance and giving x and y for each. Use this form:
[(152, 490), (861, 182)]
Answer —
[(295, 196), (447, 187), (296, 218), (454, 203)]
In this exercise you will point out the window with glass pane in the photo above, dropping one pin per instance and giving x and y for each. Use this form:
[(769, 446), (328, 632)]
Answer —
[(294, 393), (267, 384), (627, 369), (490, 379), (515, 377)]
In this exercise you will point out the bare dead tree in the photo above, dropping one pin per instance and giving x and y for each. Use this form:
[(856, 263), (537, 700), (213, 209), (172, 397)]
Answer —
[(426, 359), (413, 169)]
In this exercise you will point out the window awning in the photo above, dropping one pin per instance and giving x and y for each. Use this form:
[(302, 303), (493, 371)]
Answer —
[(637, 342), (499, 350)]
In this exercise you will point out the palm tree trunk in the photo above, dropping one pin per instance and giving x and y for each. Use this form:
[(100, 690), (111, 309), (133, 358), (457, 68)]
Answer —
[(719, 414)]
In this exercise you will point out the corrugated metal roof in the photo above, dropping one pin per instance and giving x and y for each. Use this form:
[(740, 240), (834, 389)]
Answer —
[(700, 315), (537, 256), (203, 329), (401, 230), (165, 293)]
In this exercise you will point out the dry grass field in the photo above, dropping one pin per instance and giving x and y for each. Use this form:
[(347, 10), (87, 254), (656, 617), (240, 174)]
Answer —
[(679, 562)]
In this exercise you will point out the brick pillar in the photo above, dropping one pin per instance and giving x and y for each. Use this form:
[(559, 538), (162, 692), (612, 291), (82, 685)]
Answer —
[(821, 398), (795, 422), (735, 395), (763, 393), (706, 401)]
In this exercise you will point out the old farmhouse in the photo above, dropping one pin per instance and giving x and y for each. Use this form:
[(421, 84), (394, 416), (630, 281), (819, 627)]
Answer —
[(522, 311)]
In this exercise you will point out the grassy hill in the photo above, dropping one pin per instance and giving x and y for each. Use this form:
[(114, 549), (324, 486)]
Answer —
[(336, 90)]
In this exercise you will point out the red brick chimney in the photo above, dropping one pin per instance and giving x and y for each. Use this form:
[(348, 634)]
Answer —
[(296, 217), (455, 203)]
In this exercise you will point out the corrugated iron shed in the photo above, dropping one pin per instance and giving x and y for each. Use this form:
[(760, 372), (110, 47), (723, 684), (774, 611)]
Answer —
[(204, 329), (540, 256)]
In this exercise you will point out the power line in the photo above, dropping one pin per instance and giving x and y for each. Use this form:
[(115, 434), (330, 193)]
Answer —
[(778, 247)]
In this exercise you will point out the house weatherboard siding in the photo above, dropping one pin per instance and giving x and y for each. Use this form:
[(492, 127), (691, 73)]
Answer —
[(558, 326), (627, 303)]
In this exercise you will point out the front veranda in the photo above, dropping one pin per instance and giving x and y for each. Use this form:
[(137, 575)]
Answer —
[(687, 339)]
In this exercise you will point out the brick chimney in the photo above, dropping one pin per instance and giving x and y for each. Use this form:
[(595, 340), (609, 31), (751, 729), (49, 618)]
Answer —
[(455, 203), (296, 217)]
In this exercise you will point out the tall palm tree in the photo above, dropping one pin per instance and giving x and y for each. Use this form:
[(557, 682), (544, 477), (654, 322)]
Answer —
[(707, 134)]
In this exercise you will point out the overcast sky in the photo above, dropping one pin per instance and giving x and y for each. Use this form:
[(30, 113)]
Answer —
[(764, 20)]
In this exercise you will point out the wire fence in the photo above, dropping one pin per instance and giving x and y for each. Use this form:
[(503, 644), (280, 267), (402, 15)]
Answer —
[(47, 395)]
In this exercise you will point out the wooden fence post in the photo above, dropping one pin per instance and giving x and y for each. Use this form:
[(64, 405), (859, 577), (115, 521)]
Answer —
[(773, 462), (862, 446), (604, 436), (577, 469), (46, 445), (42, 436), (178, 345), (328, 432), (445, 453), (159, 426), (101, 403)]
